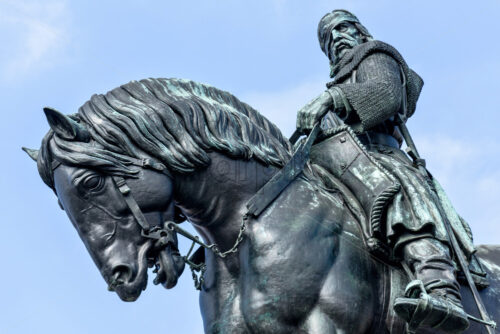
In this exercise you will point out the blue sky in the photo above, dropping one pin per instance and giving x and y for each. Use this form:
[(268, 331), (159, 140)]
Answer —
[(58, 53)]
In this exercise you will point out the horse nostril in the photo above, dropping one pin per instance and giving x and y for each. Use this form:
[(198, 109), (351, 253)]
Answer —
[(121, 274)]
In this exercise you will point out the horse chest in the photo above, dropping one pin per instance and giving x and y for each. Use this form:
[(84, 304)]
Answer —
[(283, 273), (284, 262)]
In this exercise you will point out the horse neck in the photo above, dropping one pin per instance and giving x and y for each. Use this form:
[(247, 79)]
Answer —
[(214, 199)]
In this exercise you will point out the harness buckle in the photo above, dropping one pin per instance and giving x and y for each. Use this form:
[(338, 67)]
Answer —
[(162, 237), (153, 233), (122, 185), (124, 189), (149, 163)]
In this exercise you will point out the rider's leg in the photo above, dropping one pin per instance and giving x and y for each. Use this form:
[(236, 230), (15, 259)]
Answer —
[(431, 263)]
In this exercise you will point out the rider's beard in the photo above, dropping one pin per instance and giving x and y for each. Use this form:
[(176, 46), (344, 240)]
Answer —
[(342, 45)]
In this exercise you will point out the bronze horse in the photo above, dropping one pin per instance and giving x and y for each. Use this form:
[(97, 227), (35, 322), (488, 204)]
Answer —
[(183, 150)]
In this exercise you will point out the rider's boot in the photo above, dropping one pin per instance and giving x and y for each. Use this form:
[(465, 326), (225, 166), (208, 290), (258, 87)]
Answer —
[(433, 299)]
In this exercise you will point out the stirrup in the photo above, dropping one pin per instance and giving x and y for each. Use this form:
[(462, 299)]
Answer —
[(418, 308)]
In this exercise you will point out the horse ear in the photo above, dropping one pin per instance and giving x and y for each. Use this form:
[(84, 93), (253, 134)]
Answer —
[(65, 127), (32, 153)]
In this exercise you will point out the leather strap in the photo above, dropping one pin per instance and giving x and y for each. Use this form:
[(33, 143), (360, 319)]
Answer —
[(131, 203), (143, 163), (268, 193)]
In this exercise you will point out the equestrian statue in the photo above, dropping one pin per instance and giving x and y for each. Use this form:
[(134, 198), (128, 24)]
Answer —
[(337, 230)]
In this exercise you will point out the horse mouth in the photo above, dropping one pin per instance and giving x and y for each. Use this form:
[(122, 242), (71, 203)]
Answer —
[(128, 293)]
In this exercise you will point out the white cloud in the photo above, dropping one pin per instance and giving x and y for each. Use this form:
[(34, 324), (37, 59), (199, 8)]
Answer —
[(281, 107), (35, 35)]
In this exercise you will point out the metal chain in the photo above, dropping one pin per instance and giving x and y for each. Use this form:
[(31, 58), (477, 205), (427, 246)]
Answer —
[(198, 270), (239, 239), (197, 278), (213, 247)]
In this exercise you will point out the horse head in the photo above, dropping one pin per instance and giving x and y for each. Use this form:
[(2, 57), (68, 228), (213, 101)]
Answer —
[(96, 206)]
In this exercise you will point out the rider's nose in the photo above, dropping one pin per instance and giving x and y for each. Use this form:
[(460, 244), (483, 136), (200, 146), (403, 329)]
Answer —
[(335, 34)]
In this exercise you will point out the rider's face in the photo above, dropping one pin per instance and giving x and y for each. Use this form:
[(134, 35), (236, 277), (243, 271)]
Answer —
[(345, 36)]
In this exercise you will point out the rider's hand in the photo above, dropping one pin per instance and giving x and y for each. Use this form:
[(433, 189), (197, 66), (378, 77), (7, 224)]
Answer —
[(313, 111)]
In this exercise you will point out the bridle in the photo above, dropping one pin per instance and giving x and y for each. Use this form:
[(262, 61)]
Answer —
[(156, 233), (162, 236)]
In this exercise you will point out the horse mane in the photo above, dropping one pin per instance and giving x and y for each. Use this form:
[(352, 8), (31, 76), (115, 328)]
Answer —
[(175, 121)]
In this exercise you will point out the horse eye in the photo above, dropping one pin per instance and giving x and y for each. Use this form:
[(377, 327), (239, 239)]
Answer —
[(93, 182)]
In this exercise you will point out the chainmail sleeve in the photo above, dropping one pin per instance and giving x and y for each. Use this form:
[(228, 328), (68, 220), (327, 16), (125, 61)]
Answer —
[(376, 94)]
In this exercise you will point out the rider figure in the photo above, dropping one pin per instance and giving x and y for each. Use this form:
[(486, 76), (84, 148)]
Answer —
[(372, 85)]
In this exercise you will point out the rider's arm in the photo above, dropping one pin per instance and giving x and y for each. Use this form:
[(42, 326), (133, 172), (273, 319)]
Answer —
[(375, 96)]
